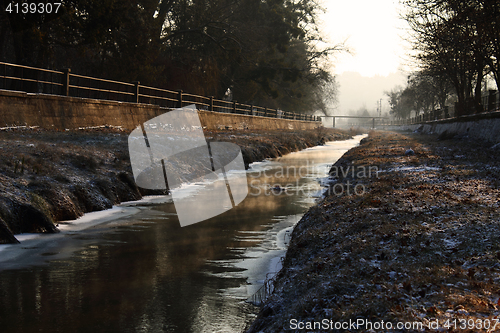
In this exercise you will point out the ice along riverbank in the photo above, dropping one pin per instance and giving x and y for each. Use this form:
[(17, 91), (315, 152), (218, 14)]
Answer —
[(48, 176), (144, 272)]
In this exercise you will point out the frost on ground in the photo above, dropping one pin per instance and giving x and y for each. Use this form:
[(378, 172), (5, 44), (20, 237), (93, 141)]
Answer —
[(421, 244)]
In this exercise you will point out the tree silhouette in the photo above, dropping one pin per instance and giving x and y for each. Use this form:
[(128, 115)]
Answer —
[(263, 50)]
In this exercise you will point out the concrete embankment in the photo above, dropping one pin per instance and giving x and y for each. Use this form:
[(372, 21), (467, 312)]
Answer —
[(49, 176), (415, 247), (485, 127), (59, 113)]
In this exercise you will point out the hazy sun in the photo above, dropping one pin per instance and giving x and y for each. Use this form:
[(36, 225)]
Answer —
[(372, 29)]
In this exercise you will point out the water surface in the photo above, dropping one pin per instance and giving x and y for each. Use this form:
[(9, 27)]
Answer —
[(134, 269)]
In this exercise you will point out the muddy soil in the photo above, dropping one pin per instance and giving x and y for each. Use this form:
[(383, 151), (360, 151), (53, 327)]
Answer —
[(418, 243), (48, 176)]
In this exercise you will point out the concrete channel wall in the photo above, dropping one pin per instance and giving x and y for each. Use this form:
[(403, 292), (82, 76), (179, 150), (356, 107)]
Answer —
[(481, 126), (60, 113)]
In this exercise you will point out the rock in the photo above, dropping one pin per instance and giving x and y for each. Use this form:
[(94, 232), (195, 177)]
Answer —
[(447, 135), (267, 311), (321, 142), (278, 189), (6, 235), (409, 152)]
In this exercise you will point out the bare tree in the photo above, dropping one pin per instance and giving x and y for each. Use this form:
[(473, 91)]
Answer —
[(449, 40)]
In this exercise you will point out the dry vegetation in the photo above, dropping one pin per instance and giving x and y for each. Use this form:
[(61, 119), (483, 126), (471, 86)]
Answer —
[(421, 244), (48, 176)]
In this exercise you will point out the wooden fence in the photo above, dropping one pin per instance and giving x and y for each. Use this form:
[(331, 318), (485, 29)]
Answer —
[(64, 83), (490, 103)]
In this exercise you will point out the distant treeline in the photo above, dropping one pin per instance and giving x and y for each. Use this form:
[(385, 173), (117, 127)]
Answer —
[(456, 45), (264, 51)]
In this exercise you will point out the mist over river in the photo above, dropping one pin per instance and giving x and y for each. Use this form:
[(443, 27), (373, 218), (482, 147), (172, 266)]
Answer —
[(134, 269)]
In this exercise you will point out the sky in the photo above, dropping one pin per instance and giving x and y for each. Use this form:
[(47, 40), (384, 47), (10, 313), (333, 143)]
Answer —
[(373, 32)]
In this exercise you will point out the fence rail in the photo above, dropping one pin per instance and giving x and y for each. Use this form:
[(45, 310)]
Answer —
[(489, 102), (64, 83)]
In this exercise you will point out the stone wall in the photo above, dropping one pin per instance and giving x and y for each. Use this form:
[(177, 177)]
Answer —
[(60, 113), (487, 129)]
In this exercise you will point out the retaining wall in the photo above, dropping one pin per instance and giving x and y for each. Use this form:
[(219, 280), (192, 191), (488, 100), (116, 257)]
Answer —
[(487, 129), (60, 113)]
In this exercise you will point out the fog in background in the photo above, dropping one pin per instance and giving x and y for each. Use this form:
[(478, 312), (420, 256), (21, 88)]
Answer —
[(357, 92), (374, 33)]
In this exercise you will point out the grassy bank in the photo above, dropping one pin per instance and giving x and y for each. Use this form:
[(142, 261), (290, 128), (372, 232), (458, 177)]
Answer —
[(48, 176), (417, 243)]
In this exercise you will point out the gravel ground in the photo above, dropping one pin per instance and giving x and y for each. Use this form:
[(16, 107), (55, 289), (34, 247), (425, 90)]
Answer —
[(48, 176), (415, 241)]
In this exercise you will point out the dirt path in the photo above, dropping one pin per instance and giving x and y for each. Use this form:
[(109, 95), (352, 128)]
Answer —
[(48, 176), (418, 243)]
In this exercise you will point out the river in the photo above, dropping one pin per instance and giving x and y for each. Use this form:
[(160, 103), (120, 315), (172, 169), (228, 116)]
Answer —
[(134, 269)]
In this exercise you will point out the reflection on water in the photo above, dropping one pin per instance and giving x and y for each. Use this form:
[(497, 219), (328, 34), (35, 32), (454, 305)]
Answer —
[(145, 273)]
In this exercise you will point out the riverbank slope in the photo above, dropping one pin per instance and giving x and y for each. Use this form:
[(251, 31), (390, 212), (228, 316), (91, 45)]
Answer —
[(50, 176), (417, 243)]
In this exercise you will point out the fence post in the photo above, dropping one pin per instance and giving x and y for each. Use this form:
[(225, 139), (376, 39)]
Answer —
[(211, 103), (234, 106), (179, 99), (66, 81), (136, 91), (265, 112)]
